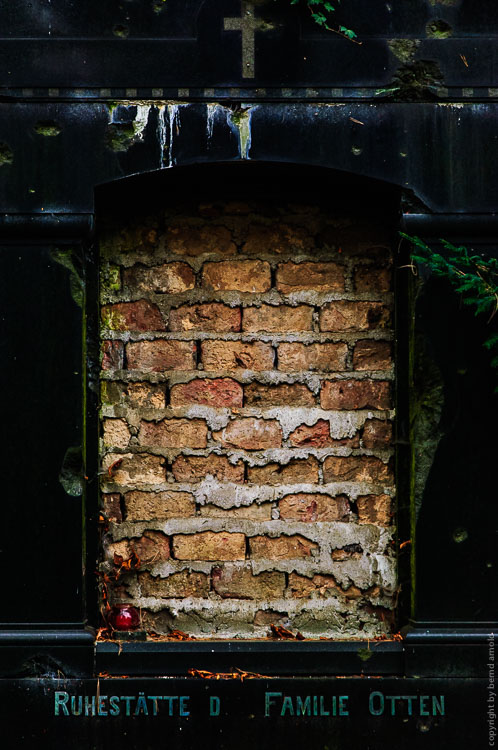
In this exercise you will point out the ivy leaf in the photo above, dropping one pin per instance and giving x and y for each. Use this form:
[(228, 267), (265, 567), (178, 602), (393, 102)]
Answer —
[(347, 32)]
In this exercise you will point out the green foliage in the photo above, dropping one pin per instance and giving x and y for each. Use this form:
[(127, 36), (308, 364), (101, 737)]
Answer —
[(320, 12), (473, 276)]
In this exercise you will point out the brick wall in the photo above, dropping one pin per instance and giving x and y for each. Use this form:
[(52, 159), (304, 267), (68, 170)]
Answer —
[(246, 420)]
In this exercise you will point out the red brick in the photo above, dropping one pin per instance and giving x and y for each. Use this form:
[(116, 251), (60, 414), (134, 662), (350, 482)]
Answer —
[(218, 393), (309, 507), (112, 355), (169, 278), (356, 469), (377, 434), (250, 434), (372, 355), (296, 471), (174, 433), (232, 355), (375, 509), (196, 468), (236, 582), (343, 315), (160, 355), (323, 357), (276, 239), (356, 394), (175, 586), (259, 394), (316, 436), (372, 279), (238, 275), (209, 545), (212, 316), (133, 316), (182, 239), (274, 318), (281, 547), (318, 277)]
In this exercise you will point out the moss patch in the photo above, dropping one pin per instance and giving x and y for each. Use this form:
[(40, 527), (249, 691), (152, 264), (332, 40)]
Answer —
[(6, 155)]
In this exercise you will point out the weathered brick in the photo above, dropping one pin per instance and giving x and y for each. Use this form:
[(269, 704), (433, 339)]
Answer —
[(259, 394), (141, 315), (231, 355), (134, 395), (156, 356), (152, 547), (266, 617), (315, 436), (318, 277), (296, 471), (196, 468), (376, 509), (212, 316), (343, 315), (252, 512), (174, 433), (182, 239), (132, 237), (209, 545), (309, 507), (273, 318), (348, 552), (280, 238), (175, 586), (372, 355), (324, 357), (168, 278), (356, 394), (116, 433), (377, 434), (357, 237), (320, 586), (146, 395), (237, 275), (219, 392), (111, 507), (372, 279), (356, 469), (237, 582), (112, 355), (281, 547), (250, 434), (145, 506), (138, 468)]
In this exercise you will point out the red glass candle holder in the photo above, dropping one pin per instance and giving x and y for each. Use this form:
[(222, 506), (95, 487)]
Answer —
[(124, 617)]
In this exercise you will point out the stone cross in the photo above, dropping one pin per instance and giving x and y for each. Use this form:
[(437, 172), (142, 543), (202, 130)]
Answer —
[(248, 24)]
